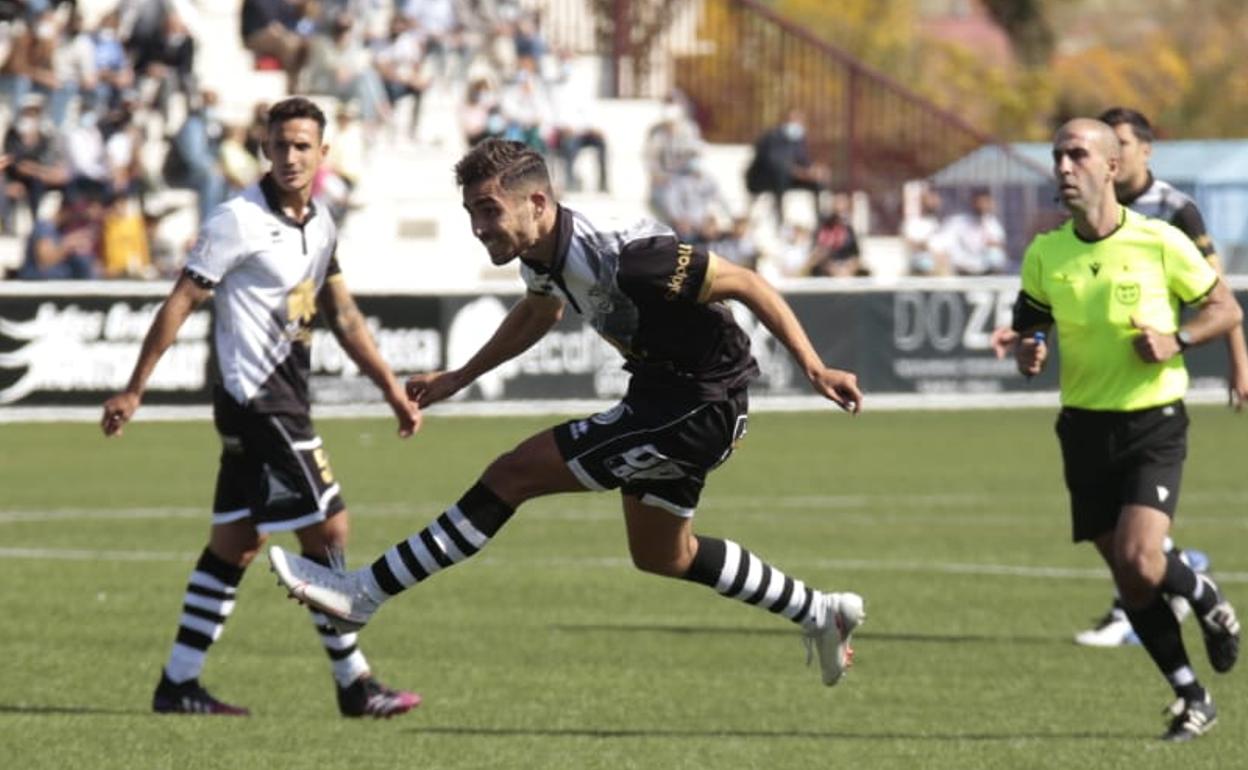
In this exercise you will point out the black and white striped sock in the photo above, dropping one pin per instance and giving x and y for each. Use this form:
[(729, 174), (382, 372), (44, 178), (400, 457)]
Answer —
[(738, 574), (461, 531), (208, 603), (345, 657)]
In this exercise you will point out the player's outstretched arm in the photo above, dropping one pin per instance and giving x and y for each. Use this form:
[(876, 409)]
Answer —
[(185, 296), (525, 324), (344, 319), (729, 281)]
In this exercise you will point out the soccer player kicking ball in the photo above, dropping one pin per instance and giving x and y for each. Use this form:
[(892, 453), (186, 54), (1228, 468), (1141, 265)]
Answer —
[(1112, 281), (660, 302)]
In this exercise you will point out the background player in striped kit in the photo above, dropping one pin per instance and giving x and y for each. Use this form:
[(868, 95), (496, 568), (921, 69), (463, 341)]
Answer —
[(267, 257)]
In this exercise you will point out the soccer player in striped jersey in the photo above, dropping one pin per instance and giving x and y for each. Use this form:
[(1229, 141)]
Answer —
[(661, 303), (267, 258)]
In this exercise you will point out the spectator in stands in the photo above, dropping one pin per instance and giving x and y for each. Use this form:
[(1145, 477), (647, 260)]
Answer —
[(975, 240), (123, 142), (37, 166), (257, 130), (124, 249), (479, 116), (526, 107), (920, 233), (344, 164), (690, 199), (168, 60), (41, 64), (239, 166), (191, 161), (74, 64), (439, 22), (401, 63), (737, 244), (791, 256), (670, 145), (64, 248), (782, 162), (338, 65), (572, 130), (269, 30), (113, 71), (15, 68), (834, 248)]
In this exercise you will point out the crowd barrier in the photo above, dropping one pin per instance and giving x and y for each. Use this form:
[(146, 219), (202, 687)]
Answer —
[(71, 345)]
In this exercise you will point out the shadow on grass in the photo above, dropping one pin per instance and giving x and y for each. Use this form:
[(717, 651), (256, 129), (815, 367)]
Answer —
[(624, 733), (36, 709), (782, 631)]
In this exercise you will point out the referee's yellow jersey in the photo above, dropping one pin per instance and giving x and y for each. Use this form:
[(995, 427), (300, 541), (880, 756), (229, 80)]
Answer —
[(1145, 270)]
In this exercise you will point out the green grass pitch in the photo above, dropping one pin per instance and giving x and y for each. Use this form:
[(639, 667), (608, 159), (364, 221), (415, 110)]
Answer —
[(549, 651)]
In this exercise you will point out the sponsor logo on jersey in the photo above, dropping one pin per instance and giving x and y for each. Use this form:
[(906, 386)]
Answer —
[(676, 282)]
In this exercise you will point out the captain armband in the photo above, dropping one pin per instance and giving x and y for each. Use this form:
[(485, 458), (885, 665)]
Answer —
[(1030, 313)]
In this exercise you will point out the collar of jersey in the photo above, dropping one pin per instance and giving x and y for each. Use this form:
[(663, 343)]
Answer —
[(563, 242), (1138, 195), (1123, 213), (272, 199)]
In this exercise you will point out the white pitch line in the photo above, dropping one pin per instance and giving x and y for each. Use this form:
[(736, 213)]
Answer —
[(614, 562)]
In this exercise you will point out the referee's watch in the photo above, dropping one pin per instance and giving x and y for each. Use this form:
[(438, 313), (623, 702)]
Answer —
[(1184, 338)]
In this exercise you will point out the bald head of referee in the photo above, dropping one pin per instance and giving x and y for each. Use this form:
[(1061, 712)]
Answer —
[(1085, 164)]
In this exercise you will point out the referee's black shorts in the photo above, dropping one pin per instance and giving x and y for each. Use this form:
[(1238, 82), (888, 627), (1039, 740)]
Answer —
[(1114, 459)]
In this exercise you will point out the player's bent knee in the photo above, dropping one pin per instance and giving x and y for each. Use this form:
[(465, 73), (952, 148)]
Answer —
[(514, 477)]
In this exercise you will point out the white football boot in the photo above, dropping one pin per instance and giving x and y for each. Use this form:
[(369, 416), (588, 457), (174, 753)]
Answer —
[(827, 632), (343, 596)]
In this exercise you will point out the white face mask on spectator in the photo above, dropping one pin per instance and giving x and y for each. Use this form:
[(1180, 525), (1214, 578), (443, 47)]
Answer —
[(794, 130), (45, 30), (27, 124)]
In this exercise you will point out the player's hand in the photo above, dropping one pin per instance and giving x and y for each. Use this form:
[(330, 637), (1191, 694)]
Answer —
[(840, 387), (431, 387), (1003, 340), (1153, 346), (1237, 391), (407, 412), (117, 412), (1030, 354)]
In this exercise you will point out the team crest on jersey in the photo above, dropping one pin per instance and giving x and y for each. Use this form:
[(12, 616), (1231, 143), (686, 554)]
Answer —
[(1127, 293), (300, 309)]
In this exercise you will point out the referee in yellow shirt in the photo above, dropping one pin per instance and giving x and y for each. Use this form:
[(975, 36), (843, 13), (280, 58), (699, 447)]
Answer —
[(1112, 282)]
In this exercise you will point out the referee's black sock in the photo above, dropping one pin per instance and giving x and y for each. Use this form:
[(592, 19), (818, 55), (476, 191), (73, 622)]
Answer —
[(1182, 580), (1159, 632)]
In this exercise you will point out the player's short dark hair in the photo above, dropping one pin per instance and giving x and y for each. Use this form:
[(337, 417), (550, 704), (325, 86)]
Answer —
[(514, 163), (1116, 116), (294, 108)]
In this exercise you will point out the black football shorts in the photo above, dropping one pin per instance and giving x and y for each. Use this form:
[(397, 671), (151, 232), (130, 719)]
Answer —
[(657, 450), (273, 469), (1113, 459)]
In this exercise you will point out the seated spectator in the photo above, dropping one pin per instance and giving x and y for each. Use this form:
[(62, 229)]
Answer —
[(690, 198), (191, 160), (920, 234), (782, 162), (123, 240), (338, 65), (168, 60), (479, 116), (791, 257), (239, 166), (975, 241), (36, 166), (737, 245), (670, 145), (401, 64), (526, 108), (64, 248), (268, 28), (74, 64), (113, 73), (572, 131), (15, 61), (834, 248)]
